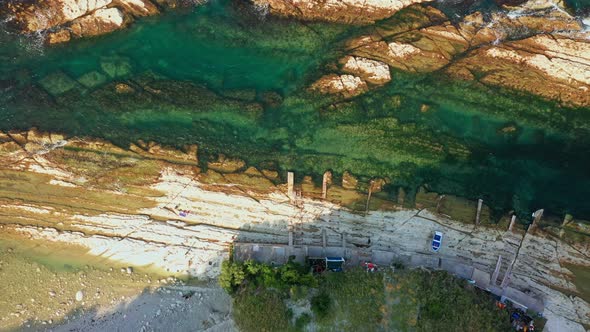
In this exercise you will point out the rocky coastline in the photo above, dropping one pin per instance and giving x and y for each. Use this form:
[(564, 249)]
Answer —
[(166, 213), (178, 211), (63, 20), (537, 47)]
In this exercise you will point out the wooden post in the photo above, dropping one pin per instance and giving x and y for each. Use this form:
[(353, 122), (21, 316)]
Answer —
[(290, 183), (324, 238), (567, 219), (326, 180), (506, 279), (479, 204), (440, 198), (290, 236), (512, 222), (369, 197), (343, 241), (537, 215), (401, 196), (496, 271)]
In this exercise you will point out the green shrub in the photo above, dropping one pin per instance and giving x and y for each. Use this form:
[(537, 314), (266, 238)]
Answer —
[(232, 275), (321, 304), (446, 305), (225, 277), (252, 267), (297, 293), (302, 321)]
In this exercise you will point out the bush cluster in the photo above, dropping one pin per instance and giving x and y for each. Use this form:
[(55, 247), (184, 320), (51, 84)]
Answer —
[(234, 274)]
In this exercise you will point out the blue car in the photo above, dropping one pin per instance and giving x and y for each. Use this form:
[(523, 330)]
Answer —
[(436, 241)]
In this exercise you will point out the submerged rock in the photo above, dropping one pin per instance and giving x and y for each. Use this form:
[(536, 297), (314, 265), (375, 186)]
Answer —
[(92, 79), (57, 83), (123, 88), (116, 66)]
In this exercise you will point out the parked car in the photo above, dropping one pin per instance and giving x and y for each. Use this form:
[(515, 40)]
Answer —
[(335, 264), (436, 241)]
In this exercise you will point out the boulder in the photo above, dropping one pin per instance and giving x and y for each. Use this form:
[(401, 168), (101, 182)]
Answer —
[(371, 71), (99, 22), (345, 85)]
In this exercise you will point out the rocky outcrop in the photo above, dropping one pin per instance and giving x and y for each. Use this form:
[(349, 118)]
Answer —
[(345, 85), (101, 21), (555, 67), (43, 15), (62, 20), (371, 71), (537, 48), (360, 73), (346, 11)]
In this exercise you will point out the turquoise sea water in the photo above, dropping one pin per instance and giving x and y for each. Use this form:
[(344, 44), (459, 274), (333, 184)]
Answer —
[(579, 6), (234, 81)]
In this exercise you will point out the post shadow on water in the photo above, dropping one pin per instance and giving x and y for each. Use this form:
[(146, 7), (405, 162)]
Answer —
[(233, 82)]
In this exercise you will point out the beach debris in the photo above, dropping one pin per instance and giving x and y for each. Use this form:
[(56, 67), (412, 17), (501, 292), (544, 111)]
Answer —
[(79, 296)]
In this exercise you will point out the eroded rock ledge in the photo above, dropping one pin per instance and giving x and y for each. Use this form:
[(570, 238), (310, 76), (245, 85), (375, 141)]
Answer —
[(342, 11), (62, 20), (152, 205), (537, 48)]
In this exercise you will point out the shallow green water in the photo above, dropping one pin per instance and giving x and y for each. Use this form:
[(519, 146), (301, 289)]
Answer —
[(579, 6), (233, 82)]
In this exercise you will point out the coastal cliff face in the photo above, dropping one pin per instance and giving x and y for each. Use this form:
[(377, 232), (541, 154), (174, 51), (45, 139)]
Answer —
[(153, 206)]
